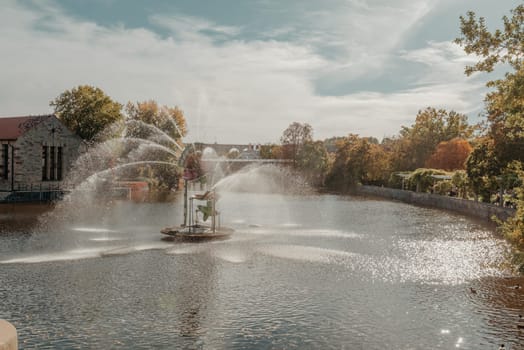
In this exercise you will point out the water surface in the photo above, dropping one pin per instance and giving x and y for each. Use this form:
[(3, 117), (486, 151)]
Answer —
[(304, 272)]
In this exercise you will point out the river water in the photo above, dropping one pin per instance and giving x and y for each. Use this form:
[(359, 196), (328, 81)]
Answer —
[(300, 272)]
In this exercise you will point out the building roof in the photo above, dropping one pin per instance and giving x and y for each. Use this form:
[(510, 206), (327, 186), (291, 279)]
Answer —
[(11, 128)]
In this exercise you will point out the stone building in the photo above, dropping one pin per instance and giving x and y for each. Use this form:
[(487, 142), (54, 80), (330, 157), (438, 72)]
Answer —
[(35, 155)]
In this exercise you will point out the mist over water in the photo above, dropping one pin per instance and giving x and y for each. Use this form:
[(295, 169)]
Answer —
[(300, 271), (269, 179)]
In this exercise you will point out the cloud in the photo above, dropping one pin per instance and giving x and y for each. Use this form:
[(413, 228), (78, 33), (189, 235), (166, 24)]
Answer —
[(232, 89), (189, 28)]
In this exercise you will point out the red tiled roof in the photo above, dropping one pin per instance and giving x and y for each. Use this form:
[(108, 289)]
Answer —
[(11, 128)]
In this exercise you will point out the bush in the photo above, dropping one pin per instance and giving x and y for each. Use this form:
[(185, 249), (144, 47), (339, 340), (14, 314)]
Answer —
[(443, 187), (422, 180)]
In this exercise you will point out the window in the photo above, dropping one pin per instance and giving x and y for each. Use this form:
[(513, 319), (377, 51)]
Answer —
[(4, 165), (45, 162), (52, 163), (59, 164), (52, 173)]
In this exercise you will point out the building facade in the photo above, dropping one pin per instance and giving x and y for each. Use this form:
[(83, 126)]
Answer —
[(36, 153)]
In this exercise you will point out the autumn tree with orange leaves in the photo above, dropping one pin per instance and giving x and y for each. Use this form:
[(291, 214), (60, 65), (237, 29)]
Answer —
[(450, 155)]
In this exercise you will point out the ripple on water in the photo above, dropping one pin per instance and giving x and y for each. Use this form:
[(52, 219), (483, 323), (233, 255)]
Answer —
[(305, 253), (398, 279), (74, 254), (94, 229), (451, 261)]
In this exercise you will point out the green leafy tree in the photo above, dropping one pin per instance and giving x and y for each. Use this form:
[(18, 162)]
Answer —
[(501, 46), (504, 141), (504, 105), (505, 116), (312, 159), (460, 180), (336, 179), (86, 110), (513, 228), (482, 167)]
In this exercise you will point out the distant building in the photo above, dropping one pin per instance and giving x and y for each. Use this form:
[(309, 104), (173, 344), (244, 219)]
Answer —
[(35, 155)]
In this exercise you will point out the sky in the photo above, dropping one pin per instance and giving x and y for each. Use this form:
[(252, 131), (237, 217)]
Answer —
[(244, 70)]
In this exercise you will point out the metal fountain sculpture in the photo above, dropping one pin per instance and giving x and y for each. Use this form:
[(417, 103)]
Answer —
[(192, 228)]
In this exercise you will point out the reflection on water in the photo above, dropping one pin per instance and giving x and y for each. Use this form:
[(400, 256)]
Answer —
[(299, 272), (21, 217)]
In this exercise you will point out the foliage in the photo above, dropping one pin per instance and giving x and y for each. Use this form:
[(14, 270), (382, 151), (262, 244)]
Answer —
[(501, 46), (422, 180), (460, 180), (443, 187), (169, 120), (505, 109), (504, 105), (450, 155), (398, 179), (312, 159), (482, 167), (513, 228), (358, 160), (86, 110), (293, 138), (497, 161), (332, 142), (415, 144), (378, 169), (271, 151), (163, 125)]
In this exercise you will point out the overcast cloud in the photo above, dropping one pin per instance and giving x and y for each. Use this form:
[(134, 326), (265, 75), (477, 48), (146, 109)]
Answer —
[(244, 73)]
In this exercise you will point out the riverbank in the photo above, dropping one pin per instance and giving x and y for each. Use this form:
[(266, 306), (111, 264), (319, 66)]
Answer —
[(478, 210)]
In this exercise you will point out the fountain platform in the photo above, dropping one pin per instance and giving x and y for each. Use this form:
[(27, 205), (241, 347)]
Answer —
[(197, 232)]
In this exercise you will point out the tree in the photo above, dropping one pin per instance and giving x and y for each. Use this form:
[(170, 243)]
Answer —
[(432, 126), (482, 167), (504, 141), (294, 137), (513, 228), (271, 151), (461, 181), (358, 160), (505, 105), (501, 46), (164, 119), (450, 155), (312, 159), (162, 125), (86, 110), (379, 168), (505, 115)]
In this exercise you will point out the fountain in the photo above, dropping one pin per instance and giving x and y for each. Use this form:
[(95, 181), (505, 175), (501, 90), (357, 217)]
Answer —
[(192, 229), (108, 171)]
